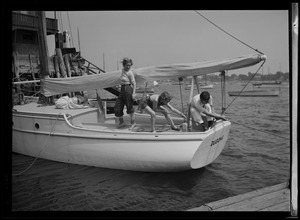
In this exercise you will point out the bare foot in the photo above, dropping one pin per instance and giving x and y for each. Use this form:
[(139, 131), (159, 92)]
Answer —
[(122, 125), (132, 127), (176, 128)]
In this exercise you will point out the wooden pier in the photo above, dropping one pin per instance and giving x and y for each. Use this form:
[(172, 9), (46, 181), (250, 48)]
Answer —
[(273, 198)]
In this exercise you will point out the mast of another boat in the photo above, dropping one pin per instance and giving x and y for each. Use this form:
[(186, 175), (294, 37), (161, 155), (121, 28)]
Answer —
[(103, 62), (78, 41), (43, 55)]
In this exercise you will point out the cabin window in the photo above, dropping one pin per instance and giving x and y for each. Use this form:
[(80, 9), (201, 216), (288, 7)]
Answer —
[(28, 38), (25, 37)]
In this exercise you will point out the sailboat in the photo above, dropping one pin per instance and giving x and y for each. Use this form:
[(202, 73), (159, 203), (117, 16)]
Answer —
[(206, 85), (267, 83), (254, 93), (257, 91), (274, 83), (89, 137), (203, 85)]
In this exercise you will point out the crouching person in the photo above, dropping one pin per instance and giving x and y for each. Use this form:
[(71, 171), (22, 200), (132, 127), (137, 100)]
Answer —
[(203, 115), (156, 103)]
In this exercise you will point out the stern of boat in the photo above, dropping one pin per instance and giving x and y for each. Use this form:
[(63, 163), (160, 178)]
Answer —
[(212, 145)]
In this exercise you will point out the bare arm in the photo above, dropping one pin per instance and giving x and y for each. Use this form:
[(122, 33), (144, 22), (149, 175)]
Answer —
[(214, 115), (133, 83), (175, 110)]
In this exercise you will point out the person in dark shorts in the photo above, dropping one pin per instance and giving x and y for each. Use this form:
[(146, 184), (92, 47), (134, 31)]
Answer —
[(157, 103), (127, 95)]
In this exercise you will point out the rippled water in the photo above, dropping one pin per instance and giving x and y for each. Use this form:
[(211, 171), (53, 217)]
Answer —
[(254, 157)]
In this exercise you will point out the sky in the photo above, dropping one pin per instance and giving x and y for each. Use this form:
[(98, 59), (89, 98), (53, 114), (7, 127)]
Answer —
[(167, 37)]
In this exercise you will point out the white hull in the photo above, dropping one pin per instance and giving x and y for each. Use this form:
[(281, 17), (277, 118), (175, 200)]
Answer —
[(80, 139)]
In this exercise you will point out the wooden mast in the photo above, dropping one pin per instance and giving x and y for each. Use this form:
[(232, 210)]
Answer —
[(78, 41), (103, 62), (43, 55), (43, 47)]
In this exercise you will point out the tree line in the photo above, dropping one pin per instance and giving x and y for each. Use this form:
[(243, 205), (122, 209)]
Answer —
[(243, 77)]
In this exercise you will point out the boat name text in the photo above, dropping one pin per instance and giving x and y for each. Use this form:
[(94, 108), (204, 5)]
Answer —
[(217, 140)]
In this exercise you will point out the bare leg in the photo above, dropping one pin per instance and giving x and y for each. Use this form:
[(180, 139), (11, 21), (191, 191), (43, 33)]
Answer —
[(132, 117), (152, 120), (121, 122), (170, 121), (196, 115)]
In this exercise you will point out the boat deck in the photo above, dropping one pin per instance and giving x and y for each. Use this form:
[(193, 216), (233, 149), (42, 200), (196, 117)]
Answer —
[(50, 109), (273, 198), (109, 124), (138, 127)]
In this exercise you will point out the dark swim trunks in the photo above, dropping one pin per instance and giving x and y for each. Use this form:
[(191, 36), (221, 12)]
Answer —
[(145, 101), (125, 98)]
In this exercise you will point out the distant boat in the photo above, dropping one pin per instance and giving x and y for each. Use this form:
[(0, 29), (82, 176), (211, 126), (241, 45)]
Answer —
[(254, 93), (176, 83), (274, 83), (267, 83), (207, 86), (142, 90), (203, 85)]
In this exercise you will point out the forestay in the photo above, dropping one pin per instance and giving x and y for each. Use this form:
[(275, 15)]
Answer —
[(54, 86)]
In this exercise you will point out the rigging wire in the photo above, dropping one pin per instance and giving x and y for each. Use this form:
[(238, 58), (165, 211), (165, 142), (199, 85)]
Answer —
[(17, 174), (18, 77), (223, 110), (71, 34), (29, 90), (222, 83), (244, 86), (228, 33), (276, 135)]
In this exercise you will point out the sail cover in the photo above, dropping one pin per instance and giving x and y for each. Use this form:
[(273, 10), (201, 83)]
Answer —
[(54, 86)]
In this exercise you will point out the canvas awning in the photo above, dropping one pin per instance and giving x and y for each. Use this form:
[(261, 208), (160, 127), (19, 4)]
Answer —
[(54, 86)]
